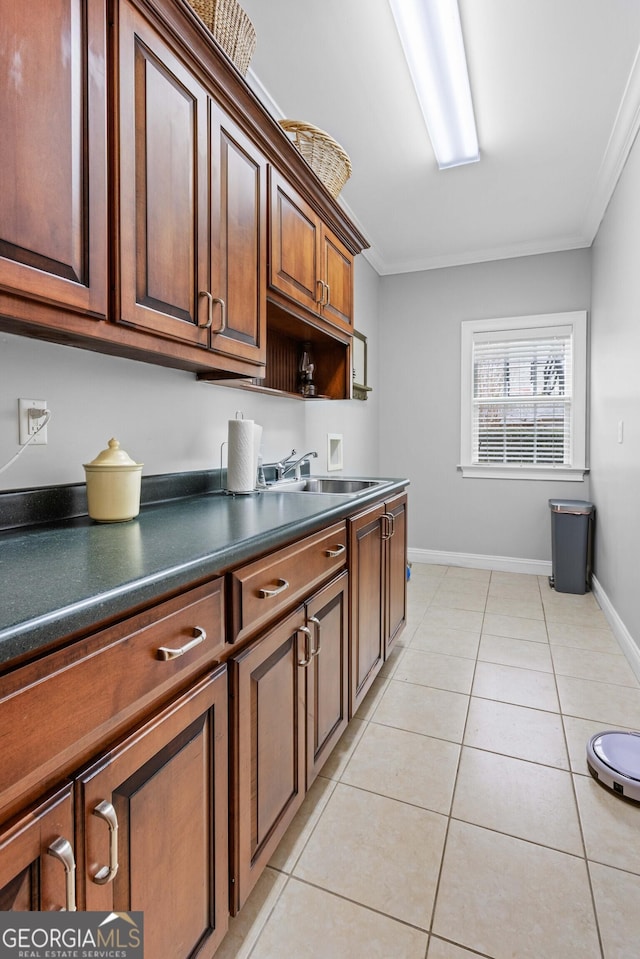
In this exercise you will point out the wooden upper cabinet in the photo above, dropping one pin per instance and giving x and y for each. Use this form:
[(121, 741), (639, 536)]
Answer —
[(238, 240), (308, 263), (163, 186), (337, 267), (53, 158), (294, 245), (192, 205)]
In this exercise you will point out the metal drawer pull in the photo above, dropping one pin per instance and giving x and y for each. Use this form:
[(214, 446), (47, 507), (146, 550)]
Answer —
[(386, 534), (104, 810), (62, 850), (317, 624), (165, 652), (337, 551), (264, 593), (223, 311), (308, 655)]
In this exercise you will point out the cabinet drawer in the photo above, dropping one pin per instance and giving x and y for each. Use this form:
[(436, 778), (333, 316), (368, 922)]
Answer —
[(56, 712), (266, 588)]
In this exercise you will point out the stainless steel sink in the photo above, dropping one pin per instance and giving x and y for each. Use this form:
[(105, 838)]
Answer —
[(322, 484)]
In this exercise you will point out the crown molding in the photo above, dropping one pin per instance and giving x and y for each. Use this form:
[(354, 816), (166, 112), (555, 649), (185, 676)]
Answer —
[(511, 251), (623, 134)]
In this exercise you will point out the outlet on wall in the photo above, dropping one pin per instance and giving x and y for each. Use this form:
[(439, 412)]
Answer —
[(28, 423)]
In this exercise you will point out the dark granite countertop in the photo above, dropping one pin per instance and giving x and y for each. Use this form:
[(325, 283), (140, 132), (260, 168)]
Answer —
[(67, 577)]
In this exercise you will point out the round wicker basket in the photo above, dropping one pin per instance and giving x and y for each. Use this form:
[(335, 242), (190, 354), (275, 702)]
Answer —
[(324, 155), (231, 27)]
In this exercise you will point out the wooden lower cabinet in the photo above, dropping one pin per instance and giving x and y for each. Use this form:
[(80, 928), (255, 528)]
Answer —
[(152, 825), (378, 566), (327, 675), (366, 606), (395, 571), (37, 863), (267, 685), (289, 707)]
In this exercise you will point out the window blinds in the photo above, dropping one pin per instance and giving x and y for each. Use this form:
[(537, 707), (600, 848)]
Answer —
[(522, 396)]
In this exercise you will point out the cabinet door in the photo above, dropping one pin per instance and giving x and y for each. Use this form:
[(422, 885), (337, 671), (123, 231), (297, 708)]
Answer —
[(163, 187), (238, 240), (294, 264), (53, 221), (268, 747), (327, 675), (396, 570), (165, 787), (37, 868), (337, 273), (367, 585)]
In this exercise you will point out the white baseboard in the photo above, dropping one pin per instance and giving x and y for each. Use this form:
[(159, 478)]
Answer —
[(509, 564), (620, 631), (505, 564)]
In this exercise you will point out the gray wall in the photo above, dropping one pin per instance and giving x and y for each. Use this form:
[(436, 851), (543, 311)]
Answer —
[(615, 396), (165, 418), (420, 315)]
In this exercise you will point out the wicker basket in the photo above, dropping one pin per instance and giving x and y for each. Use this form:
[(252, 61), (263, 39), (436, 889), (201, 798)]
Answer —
[(326, 158), (231, 27)]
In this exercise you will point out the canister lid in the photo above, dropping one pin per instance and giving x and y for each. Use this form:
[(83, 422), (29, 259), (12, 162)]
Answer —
[(113, 456)]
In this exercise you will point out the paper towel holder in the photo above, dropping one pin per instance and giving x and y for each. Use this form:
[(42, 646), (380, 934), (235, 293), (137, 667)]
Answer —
[(239, 415)]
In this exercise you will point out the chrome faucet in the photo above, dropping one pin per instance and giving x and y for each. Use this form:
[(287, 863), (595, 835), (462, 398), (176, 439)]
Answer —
[(284, 466)]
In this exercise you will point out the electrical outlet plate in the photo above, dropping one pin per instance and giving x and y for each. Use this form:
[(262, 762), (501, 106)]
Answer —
[(29, 424)]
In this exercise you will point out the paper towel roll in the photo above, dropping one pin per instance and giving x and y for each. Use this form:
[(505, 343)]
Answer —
[(241, 468)]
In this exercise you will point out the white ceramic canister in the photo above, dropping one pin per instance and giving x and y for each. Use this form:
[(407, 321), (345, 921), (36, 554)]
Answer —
[(113, 485)]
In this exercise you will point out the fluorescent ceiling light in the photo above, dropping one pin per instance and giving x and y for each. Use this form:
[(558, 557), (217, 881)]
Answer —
[(431, 37)]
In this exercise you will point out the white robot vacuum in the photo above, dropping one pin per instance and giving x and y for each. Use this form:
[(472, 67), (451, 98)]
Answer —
[(613, 758)]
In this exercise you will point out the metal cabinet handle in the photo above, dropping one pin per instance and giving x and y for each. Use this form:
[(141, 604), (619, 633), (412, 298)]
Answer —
[(308, 655), (392, 524), (264, 593), (386, 533), (316, 622), (325, 291), (165, 652), (336, 551), (62, 850), (223, 312), (104, 810)]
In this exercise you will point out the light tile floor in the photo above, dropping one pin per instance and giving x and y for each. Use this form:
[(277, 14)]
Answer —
[(456, 817)]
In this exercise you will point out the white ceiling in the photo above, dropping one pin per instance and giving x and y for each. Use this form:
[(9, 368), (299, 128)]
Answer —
[(556, 90)]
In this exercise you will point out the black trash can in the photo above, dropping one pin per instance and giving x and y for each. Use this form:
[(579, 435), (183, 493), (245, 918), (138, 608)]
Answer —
[(571, 545)]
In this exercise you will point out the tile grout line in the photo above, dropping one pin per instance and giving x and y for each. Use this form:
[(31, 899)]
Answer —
[(455, 783), (573, 786)]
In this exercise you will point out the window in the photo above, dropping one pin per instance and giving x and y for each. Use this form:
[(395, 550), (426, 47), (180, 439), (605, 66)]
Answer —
[(524, 397)]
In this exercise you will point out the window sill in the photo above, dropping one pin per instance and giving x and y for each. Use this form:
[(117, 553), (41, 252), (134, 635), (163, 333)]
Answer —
[(561, 473)]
